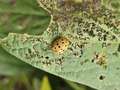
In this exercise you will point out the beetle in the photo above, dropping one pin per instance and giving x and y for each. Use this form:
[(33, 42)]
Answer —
[(60, 44)]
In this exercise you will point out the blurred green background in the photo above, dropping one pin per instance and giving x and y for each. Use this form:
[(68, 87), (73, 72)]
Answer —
[(25, 16)]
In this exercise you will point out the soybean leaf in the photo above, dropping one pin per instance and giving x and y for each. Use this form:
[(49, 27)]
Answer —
[(93, 54), (10, 65)]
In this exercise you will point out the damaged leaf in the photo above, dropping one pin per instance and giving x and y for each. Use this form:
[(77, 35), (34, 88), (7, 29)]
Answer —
[(92, 56)]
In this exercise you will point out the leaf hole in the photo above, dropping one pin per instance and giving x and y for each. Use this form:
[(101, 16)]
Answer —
[(47, 57), (102, 77)]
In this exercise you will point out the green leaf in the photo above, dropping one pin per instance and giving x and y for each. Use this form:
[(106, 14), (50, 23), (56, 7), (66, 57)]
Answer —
[(93, 55), (10, 65), (24, 16)]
